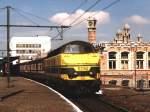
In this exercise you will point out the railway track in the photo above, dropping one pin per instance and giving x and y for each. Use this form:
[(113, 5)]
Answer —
[(95, 103), (87, 103)]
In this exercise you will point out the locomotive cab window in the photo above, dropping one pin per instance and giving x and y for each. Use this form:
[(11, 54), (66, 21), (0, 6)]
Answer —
[(76, 48)]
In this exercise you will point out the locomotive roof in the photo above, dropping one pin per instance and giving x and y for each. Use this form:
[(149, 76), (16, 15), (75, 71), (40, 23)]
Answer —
[(61, 48)]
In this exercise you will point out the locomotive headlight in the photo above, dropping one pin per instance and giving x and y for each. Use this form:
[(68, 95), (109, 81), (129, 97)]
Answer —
[(91, 73), (75, 73)]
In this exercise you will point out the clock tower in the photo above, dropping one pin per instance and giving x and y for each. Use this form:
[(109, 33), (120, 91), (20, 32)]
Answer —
[(91, 30)]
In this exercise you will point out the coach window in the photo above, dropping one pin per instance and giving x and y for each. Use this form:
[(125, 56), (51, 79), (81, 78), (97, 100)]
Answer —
[(139, 60), (112, 60)]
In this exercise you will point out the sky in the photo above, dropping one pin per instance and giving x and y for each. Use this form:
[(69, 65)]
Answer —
[(72, 12)]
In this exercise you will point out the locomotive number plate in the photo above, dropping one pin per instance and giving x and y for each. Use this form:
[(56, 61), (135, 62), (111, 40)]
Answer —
[(82, 68)]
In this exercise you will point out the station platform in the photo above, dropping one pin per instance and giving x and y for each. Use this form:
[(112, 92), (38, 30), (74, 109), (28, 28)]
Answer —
[(27, 96)]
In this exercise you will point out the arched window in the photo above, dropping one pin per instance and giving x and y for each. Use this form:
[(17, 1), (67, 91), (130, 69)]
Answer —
[(112, 60), (124, 55), (112, 55), (139, 55)]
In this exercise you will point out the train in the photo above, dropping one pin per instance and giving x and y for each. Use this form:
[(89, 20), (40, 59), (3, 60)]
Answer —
[(74, 66)]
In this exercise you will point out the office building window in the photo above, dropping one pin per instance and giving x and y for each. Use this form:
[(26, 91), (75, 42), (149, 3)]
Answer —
[(28, 45)]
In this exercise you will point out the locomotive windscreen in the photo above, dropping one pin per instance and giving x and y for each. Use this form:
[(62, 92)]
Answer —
[(78, 48)]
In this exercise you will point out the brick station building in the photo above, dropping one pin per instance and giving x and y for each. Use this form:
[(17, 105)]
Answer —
[(123, 61)]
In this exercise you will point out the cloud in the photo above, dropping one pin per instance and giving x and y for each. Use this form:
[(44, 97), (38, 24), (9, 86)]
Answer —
[(65, 18), (138, 20)]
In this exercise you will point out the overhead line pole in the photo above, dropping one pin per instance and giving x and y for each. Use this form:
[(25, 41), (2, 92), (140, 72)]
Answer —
[(8, 49), (8, 26)]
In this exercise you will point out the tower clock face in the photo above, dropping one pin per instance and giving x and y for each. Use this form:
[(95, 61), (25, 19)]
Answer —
[(90, 23)]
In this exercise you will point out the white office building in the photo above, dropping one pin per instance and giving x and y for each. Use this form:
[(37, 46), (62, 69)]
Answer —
[(30, 48)]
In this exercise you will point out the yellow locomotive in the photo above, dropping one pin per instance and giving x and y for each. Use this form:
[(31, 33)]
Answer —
[(75, 64)]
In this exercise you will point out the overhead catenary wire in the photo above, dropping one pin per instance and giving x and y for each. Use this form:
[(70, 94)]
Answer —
[(78, 7), (85, 12), (2, 8), (28, 13), (108, 6), (80, 16), (82, 3), (37, 25), (41, 18), (25, 17)]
